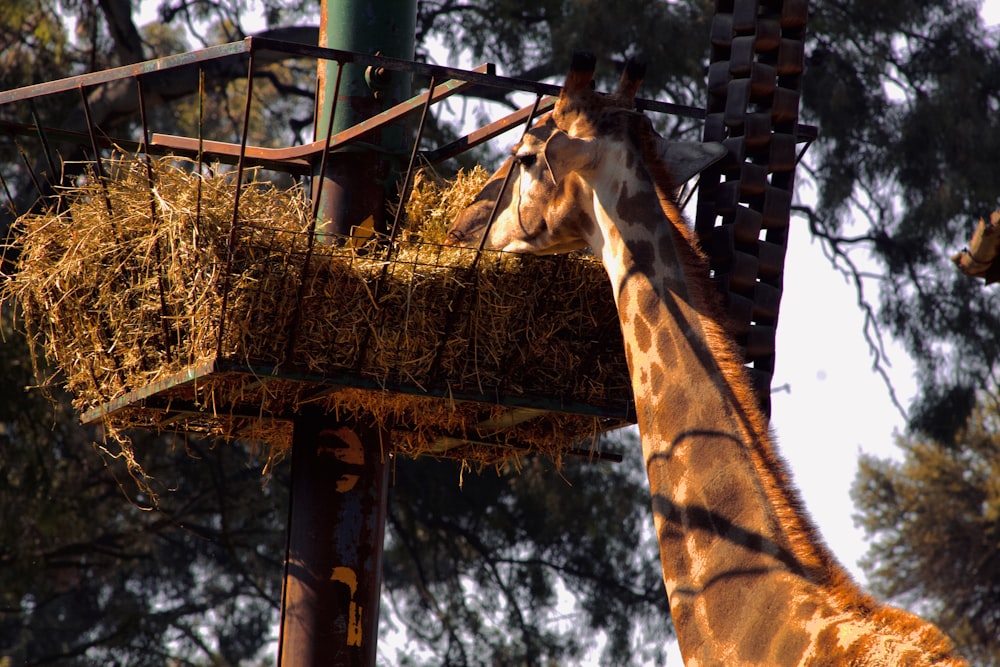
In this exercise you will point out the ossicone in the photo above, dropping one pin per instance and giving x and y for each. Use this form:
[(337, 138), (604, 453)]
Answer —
[(581, 72), (628, 84)]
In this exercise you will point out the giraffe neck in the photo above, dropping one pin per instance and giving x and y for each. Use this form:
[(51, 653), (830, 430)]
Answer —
[(747, 577)]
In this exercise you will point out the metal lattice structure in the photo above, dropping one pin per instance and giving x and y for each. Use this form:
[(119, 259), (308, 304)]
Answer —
[(744, 204)]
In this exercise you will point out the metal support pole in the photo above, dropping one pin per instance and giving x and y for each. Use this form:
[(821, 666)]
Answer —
[(333, 568), (353, 189)]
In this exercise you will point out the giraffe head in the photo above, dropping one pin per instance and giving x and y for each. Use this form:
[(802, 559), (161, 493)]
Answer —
[(536, 201)]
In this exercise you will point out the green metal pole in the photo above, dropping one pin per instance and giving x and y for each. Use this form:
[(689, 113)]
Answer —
[(333, 568), (352, 192)]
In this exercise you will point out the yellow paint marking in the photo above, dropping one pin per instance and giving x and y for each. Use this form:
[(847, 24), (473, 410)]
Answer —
[(346, 575), (354, 624)]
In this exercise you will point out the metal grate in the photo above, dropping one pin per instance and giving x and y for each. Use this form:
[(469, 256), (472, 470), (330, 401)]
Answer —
[(744, 203)]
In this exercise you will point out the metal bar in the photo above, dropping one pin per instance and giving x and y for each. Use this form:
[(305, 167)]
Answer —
[(201, 147), (623, 410), (160, 278), (71, 136), (470, 283), (487, 132), (391, 246), (404, 194), (802, 153), (231, 246), (127, 71), (97, 155), (306, 152), (303, 278), (31, 170), (443, 72), (446, 443), (185, 417), (251, 44), (503, 188), (296, 158), (11, 206), (42, 138)]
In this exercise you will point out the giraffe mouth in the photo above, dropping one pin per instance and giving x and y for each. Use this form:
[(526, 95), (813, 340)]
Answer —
[(455, 238)]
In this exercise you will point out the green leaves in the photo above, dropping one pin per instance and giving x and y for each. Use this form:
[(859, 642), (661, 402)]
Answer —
[(934, 522)]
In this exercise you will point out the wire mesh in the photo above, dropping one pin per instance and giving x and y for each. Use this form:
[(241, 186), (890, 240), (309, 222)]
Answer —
[(223, 314)]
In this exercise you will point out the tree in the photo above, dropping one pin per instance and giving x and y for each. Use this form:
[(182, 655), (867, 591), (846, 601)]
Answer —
[(934, 522), (90, 574), (907, 105), (906, 98), (517, 539)]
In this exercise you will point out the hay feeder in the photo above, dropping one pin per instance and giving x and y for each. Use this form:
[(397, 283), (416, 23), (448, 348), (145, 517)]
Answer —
[(176, 288)]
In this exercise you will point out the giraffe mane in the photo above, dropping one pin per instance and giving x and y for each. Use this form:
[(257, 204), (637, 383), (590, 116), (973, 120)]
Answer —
[(804, 538), (813, 556), (906, 631)]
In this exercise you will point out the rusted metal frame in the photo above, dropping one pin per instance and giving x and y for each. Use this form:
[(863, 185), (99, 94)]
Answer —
[(278, 158), (623, 411), (43, 140), (82, 138), (486, 133), (10, 199), (408, 178), (31, 170), (97, 156), (399, 64), (231, 245), (311, 242), (459, 300), (391, 245), (802, 153), (127, 71), (404, 195), (251, 43), (435, 93), (302, 155), (153, 216), (441, 71), (454, 442), (201, 146), (325, 155), (506, 182)]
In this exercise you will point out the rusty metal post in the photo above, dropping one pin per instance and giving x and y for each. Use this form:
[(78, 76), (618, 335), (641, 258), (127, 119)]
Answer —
[(330, 602), (333, 568)]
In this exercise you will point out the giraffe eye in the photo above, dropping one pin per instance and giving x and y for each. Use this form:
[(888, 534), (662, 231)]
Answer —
[(526, 160)]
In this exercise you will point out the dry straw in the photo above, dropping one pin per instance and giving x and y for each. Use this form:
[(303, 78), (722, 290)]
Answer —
[(135, 277)]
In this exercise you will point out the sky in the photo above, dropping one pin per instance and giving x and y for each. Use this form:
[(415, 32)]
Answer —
[(837, 406)]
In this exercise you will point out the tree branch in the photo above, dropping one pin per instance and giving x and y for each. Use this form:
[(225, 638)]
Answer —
[(842, 262)]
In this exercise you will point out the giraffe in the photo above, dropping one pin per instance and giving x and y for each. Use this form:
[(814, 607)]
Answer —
[(748, 577)]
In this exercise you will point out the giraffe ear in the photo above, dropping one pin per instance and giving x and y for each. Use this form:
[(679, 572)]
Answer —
[(687, 159), (565, 154)]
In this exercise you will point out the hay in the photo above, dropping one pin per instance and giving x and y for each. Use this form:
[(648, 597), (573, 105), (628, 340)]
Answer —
[(129, 280)]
